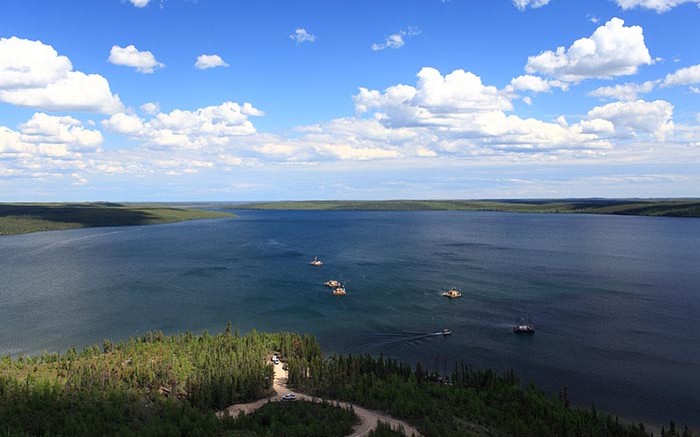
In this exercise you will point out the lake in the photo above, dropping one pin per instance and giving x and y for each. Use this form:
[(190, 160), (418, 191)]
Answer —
[(615, 300)]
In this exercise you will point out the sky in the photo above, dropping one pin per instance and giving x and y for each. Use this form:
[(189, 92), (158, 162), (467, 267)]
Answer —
[(238, 100)]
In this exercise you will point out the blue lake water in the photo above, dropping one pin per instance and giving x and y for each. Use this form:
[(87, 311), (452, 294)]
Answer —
[(616, 300)]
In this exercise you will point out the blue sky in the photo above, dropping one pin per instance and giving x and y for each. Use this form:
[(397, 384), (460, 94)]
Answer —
[(105, 100)]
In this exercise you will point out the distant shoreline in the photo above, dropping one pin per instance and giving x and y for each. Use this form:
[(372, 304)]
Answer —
[(26, 218), (652, 207)]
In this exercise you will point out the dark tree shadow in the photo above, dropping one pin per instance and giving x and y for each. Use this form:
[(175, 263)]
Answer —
[(88, 215)]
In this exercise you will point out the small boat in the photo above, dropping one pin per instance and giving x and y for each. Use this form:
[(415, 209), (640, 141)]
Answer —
[(452, 293), (445, 332), (333, 283), (339, 291), (316, 262), (523, 327)]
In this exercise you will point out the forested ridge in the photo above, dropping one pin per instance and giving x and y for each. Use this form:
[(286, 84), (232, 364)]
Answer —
[(642, 207), (159, 384)]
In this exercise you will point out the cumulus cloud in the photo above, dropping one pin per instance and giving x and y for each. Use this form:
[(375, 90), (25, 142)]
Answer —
[(47, 146), (656, 5), (684, 76), (462, 113), (396, 40), (631, 91), (453, 115), (30, 64), (130, 56), (524, 4), (627, 91), (302, 35), (125, 124), (632, 118), (33, 74), (209, 61), (66, 131), (210, 126), (612, 50), (435, 95), (457, 114), (77, 92)]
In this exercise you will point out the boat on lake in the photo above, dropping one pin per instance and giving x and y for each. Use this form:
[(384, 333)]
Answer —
[(333, 283), (523, 327), (339, 291), (316, 262), (452, 293), (445, 332)]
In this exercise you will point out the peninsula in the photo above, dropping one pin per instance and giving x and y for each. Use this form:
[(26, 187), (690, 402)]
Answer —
[(24, 218)]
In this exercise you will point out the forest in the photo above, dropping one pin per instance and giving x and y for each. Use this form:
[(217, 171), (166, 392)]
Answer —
[(642, 207), (159, 384)]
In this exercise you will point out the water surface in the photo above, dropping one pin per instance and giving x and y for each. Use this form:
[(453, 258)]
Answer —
[(616, 300)]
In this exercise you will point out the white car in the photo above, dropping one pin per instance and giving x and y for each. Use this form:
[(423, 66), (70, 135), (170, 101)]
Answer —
[(289, 397), (275, 360)]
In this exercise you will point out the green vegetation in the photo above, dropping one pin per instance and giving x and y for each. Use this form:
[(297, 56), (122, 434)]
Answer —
[(665, 208), (35, 217), (157, 385), (469, 403), (149, 385), (298, 419), (384, 430)]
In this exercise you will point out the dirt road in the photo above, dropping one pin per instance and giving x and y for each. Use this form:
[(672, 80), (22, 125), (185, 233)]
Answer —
[(368, 418)]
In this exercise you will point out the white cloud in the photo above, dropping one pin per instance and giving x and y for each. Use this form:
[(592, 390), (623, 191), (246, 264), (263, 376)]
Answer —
[(351, 139), (612, 50), (30, 64), (209, 61), (33, 74), (684, 76), (530, 83), (47, 146), (48, 129), (77, 92), (435, 96), (632, 118), (657, 5), (140, 3), (125, 124), (627, 91), (151, 108), (130, 56), (396, 40), (535, 84), (302, 35), (631, 91), (210, 126), (524, 4), (461, 113)]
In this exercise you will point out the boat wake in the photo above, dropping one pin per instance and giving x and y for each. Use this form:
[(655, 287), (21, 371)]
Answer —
[(397, 338)]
